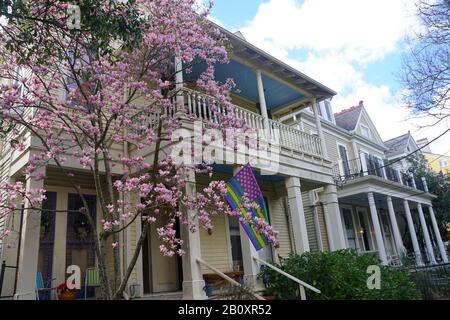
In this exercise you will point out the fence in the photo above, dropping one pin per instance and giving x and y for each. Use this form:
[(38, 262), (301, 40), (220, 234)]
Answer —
[(433, 281)]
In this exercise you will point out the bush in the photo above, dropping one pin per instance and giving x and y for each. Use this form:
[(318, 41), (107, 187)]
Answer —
[(340, 275)]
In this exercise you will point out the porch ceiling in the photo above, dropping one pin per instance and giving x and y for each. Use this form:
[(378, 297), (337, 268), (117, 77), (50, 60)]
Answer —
[(276, 93)]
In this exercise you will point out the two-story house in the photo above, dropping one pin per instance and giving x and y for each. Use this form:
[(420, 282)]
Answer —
[(48, 242), (383, 206)]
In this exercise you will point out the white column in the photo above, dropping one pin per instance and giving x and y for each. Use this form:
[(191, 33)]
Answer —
[(412, 232), (251, 267), (377, 227), (29, 248), (426, 235), (319, 127), (335, 228), (59, 248), (438, 235), (297, 213), (193, 282), (262, 101), (397, 237)]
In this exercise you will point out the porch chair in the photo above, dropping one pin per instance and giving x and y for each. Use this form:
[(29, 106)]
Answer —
[(40, 287), (44, 287), (92, 279)]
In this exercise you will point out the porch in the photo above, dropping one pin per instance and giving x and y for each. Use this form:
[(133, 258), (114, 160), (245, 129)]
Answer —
[(397, 226)]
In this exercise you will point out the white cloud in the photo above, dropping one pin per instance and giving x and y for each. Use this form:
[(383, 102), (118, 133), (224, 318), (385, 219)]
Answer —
[(359, 30), (339, 38)]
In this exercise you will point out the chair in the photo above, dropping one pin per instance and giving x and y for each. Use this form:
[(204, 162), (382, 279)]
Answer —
[(92, 279), (44, 287), (40, 287)]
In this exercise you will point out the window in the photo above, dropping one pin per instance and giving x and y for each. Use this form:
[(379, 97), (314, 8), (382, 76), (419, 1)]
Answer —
[(72, 85), (328, 111), (319, 109), (443, 163), (344, 160), (349, 228), (235, 239), (365, 132)]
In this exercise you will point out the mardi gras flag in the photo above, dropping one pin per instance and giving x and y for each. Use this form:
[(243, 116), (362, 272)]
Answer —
[(244, 183)]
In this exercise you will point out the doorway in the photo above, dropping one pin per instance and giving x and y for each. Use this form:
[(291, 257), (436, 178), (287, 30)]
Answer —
[(160, 273)]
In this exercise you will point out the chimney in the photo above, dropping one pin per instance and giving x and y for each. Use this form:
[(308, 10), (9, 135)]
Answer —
[(361, 104)]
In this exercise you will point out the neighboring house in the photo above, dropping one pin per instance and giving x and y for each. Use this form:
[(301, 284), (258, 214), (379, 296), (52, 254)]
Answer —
[(266, 85), (437, 162), (383, 207)]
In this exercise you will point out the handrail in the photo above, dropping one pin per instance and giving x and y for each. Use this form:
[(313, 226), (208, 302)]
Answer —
[(224, 276), (287, 275)]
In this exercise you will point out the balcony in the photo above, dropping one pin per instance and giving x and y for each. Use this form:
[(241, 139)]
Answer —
[(356, 168), (197, 106)]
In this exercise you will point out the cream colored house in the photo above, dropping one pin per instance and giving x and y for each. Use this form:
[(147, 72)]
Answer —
[(49, 242), (381, 203)]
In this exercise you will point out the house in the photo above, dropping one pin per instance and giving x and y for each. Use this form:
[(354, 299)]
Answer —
[(49, 242), (437, 162), (382, 205), (314, 148)]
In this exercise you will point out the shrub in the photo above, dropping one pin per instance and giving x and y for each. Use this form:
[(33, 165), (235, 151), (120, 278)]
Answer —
[(340, 275)]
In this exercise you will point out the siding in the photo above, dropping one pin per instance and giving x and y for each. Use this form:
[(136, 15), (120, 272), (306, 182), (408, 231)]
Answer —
[(280, 222), (309, 217), (5, 163), (214, 247), (323, 228)]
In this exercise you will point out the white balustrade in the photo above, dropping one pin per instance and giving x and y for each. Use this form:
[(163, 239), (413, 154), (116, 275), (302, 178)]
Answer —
[(204, 107)]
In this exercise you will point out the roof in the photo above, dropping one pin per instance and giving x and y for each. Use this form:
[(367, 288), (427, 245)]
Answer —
[(397, 144), (277, 67), (348, 118)]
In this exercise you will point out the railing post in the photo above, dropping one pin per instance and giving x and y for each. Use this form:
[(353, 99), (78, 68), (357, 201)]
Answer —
[(302, 292), (2, 276)]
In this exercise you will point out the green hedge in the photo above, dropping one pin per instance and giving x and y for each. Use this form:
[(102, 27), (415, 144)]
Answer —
[(340, 275)]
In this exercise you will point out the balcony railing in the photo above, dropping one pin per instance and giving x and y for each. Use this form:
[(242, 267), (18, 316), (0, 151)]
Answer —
[(197, 106), (353, 169)]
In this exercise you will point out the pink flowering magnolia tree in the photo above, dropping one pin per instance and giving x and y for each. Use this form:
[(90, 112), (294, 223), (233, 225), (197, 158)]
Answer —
[(83, 92)]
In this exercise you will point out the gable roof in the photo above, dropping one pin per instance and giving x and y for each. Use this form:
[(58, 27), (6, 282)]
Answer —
[(398, 144), (348, 118)]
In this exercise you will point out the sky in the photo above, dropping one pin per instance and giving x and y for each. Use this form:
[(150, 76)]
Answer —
[(355, 47)]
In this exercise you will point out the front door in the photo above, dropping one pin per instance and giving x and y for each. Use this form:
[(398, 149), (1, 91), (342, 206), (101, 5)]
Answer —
[(365, 230), (161, 274)]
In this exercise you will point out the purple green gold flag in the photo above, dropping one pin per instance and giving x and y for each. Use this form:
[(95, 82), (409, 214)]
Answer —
[(244, 183)]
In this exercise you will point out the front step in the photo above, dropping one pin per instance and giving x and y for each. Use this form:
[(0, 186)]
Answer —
[(178, 295)]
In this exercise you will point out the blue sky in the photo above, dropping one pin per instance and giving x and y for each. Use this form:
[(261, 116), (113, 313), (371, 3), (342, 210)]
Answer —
[(353, 46)]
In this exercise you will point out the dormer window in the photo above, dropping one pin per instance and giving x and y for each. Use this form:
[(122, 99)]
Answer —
[(365, 132)]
